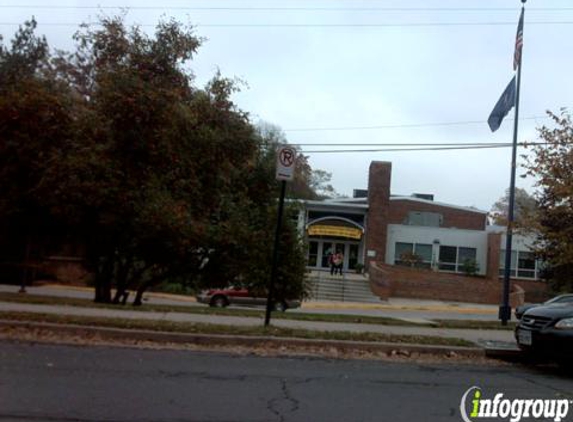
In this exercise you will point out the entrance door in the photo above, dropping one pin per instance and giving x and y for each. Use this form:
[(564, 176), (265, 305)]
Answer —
[(318, 252), (352, 255), (327, 249), (341, 247)]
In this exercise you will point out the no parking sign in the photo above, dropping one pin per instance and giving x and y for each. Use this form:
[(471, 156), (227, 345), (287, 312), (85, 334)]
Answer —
[(286, 158)]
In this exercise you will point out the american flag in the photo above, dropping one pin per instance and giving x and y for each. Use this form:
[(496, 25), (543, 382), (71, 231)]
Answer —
[(518, 43)]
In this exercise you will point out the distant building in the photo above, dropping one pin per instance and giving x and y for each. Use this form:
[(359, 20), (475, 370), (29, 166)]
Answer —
[(378, 228)]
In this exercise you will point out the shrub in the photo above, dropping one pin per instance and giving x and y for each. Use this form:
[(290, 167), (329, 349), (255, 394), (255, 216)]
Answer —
[(470, 267)]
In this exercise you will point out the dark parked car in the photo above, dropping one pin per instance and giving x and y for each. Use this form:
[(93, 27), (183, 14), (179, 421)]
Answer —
[(547, 330), (566, 298), (221, 298)]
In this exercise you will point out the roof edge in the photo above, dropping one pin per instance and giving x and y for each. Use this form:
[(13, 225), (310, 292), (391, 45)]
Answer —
[(440, 204)]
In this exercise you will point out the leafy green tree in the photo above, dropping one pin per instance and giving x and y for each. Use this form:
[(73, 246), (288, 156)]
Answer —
[(320, 184), (524, 211), (552, 167), (36, 121), (161, 180), (308, 183)]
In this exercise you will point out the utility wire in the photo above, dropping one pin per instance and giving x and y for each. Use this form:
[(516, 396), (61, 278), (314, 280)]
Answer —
[(373, 144), (320, 25), (401, 125), (286, 8), (334, 151)]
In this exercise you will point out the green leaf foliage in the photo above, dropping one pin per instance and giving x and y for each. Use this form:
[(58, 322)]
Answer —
[(158, 179), (552, 167)]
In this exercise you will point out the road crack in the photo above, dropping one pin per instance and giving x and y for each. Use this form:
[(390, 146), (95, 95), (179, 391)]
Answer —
[(284, 404)]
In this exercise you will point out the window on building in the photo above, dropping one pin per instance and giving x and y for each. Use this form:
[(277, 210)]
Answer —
[(523, 264), (425, 253), (402, 250), (466, 254), (352, 256), (467, 261), (413, 255), (526, 265), (312, 254), (456, 259), (448, 258), (424, 218)]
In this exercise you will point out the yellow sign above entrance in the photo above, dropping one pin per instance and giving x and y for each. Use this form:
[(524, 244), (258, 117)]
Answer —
[(323, 230)]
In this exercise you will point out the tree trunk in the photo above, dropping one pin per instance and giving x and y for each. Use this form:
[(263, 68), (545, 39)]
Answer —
[(138, 301), (121, 281), (124, 298), (103, 282)]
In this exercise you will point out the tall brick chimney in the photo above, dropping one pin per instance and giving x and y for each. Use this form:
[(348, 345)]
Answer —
[(379, 177)]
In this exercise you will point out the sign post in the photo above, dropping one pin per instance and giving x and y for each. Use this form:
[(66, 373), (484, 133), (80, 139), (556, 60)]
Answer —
[(286, 157)]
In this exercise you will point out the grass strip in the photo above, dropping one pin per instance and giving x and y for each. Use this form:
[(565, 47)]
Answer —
[(202, 310), (298, 316), (474, 324), (201, 328)]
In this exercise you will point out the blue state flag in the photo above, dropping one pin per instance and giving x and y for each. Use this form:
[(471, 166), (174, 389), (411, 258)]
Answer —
[(502, 107)]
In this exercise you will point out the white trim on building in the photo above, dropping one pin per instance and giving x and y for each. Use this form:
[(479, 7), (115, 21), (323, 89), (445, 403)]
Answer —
[(441, 204), (438, 238)]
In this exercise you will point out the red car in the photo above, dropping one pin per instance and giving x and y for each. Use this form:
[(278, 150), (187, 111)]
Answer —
[(221, 298)]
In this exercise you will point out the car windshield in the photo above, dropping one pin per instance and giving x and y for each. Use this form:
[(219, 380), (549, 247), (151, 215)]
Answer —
[(560, 299)]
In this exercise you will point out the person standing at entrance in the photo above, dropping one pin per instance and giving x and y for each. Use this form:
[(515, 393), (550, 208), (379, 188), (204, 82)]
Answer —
[(338, 261), (331, 262)]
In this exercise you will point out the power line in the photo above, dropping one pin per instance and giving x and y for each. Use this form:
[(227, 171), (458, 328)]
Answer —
[(444, 144), (422, 149), (400, 126), (283, 8), (319, 25)]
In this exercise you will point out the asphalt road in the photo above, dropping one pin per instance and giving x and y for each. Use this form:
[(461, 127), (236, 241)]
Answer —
[(66, 383)]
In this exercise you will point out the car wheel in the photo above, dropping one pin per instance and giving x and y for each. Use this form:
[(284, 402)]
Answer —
[(219, 302), (280, 306)]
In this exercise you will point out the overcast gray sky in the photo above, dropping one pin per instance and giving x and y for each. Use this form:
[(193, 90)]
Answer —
[(346, 66)]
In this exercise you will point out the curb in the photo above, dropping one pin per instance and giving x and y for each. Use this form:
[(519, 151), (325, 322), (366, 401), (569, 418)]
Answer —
[(504, 351), (248, 341)]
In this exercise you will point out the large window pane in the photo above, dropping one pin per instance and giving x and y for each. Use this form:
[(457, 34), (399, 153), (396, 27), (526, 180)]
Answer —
[(327, 249), (502, 273), (465, 254), (402, 249), (312, 254), (448, 254), (522, 264), (352, 256), (423, 251), (526, 261), (467, 262), (447, 258), (502, 259)]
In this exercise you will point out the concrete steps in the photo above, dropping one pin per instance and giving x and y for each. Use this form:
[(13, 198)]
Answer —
[(342, 289)]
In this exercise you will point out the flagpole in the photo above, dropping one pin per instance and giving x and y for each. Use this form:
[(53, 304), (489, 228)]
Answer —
[(505, 308)]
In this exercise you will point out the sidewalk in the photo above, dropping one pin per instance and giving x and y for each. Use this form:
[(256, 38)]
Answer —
[(403, 304), (476, 336), (397, 304)]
